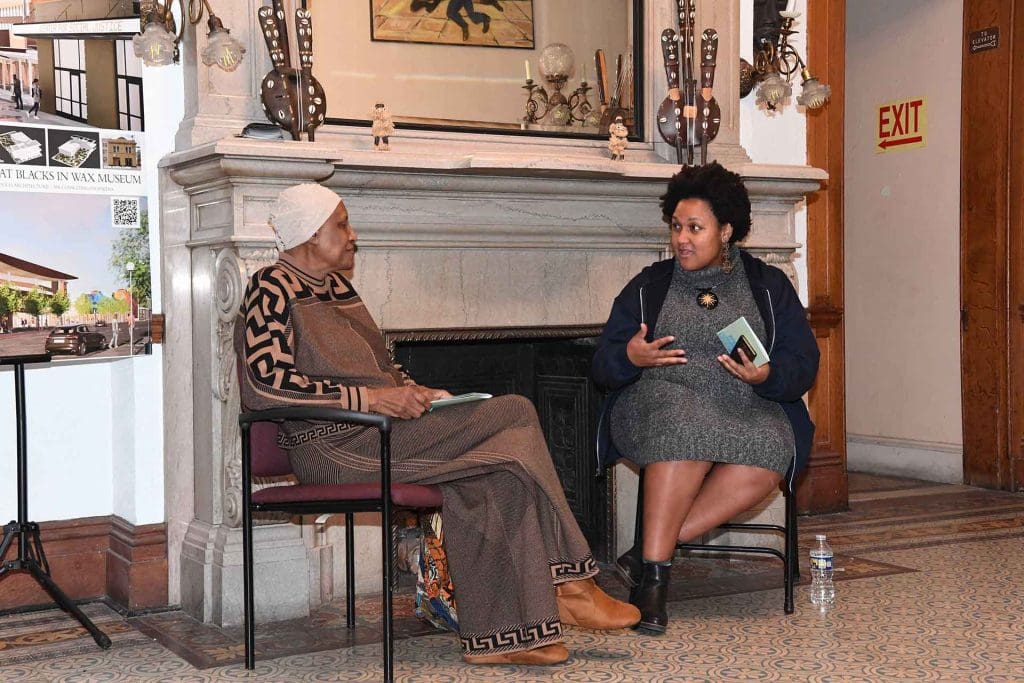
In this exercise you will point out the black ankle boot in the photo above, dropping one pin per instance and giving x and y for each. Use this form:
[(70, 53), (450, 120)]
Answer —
[(630, 566), (650, 597)]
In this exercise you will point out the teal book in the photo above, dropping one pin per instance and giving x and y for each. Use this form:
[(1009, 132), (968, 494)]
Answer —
[(739, 335)]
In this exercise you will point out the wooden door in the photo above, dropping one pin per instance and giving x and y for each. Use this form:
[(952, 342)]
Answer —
[(824, 486), (991, 251)]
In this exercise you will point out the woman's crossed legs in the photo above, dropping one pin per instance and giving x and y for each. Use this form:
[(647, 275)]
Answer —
[(685, 499)]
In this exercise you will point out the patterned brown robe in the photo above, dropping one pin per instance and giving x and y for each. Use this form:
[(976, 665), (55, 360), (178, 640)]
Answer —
[(509, 532)]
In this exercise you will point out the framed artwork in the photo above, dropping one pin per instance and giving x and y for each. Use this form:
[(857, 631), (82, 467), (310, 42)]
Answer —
[(478, 23)]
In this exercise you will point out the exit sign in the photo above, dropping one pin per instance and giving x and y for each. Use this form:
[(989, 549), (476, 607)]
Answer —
[(901, 125)]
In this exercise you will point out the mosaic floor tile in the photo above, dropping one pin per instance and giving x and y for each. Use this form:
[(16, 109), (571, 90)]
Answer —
[(946, 609)]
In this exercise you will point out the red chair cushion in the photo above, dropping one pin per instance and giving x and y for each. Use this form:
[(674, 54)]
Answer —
[(268, 459), (406, 495)]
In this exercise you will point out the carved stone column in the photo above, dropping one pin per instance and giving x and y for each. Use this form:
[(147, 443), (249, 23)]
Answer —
[(215, 238)]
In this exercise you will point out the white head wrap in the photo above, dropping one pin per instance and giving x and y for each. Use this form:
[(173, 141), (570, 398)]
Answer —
[(300, 211)]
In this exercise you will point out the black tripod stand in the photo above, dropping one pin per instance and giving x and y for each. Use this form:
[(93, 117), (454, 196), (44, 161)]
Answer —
[(30, 547)]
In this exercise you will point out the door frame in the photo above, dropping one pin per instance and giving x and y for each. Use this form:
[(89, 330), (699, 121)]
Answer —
[(824, 487), (992, 248)]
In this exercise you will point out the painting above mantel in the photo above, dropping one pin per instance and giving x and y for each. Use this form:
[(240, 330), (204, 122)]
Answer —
[(382, 51)]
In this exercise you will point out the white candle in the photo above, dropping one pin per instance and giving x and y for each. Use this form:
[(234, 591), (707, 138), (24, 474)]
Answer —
[(584, 72), (789, 5), (527, 63)]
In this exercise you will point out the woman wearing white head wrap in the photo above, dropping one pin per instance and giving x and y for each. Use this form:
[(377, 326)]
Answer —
[(300, 211), (516, 555)]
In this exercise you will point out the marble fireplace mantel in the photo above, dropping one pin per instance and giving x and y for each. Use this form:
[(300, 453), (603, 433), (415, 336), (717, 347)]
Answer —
[(448, 239)]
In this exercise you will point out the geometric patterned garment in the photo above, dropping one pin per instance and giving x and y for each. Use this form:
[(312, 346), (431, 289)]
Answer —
[(300, 334), (509, 532)]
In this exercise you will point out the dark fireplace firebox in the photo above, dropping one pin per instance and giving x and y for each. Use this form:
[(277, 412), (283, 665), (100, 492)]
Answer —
[(551, 367)]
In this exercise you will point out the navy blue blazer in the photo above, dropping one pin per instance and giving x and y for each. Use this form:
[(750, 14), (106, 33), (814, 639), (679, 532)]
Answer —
[(790, 342)]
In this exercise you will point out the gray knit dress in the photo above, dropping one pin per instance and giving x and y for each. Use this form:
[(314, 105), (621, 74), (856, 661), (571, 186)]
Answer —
[(698, 411)]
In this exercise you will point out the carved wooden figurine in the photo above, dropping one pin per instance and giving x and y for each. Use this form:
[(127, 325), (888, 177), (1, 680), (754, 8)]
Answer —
[(617, 140), (292, 98), (383, 128)]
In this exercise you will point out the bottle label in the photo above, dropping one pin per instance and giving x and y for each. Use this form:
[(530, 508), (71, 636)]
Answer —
[(821, 563)]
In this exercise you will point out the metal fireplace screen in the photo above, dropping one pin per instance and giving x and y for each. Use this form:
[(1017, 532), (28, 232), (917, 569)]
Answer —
[(551, 367)]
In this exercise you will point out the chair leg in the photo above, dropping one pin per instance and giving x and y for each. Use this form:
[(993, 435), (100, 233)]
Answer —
[(350, 571), (247, 587), (637, 549), (794, 531), (638, 527), (387, 577), (248, 600), (791, 562)]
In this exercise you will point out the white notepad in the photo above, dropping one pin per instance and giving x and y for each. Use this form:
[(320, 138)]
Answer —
[(461, 398)]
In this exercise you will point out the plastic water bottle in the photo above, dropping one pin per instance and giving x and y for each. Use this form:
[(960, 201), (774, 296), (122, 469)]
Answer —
[(823, 591)]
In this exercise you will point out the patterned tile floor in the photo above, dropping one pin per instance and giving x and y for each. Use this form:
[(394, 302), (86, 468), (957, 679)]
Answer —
[(948, 609)]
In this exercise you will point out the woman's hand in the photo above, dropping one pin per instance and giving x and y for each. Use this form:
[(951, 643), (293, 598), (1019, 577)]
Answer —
[(652, 355), (746, 371), (406, 402)]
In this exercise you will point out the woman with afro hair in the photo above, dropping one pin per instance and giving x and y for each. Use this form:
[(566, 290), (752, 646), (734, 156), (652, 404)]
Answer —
[(714, 433)]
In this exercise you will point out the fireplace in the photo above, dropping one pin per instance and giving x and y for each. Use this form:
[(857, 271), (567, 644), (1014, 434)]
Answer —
[(516, 252), (551, 367), (455, 231)]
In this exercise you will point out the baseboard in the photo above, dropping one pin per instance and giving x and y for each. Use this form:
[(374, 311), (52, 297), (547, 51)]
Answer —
[(96, 557), (926, 460), (137, 565)]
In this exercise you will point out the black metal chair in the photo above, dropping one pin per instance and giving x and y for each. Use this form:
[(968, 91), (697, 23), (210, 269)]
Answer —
[(261, 457), (790, 561)]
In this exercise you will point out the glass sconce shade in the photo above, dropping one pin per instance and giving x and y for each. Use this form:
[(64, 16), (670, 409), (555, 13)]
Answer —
[(777, 61), (773, 90), (155, 46), (557, 60), (561, 115), (222, 49), (815, 93)]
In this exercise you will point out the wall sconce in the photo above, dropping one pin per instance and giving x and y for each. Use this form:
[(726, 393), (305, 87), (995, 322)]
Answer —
[(157, 44), (775, 61)]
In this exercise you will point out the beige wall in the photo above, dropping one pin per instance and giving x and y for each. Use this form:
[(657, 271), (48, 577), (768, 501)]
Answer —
[(902, 242), (453, 82)]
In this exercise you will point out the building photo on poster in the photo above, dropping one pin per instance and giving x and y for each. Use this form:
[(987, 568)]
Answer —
[(74, 249), (74, 275), (70, 63)]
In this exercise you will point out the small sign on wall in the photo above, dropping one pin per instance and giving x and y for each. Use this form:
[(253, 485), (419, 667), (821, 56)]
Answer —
[(901, 125), (985, 39)]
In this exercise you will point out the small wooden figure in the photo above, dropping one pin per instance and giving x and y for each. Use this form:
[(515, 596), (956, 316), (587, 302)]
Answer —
[(617, 139), (383, 127)]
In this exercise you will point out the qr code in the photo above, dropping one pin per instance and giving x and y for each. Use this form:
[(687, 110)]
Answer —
[(124, 212)]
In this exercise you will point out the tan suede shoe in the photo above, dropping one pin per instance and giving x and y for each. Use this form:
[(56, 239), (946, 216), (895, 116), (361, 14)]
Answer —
[(541, 656), (582, 603)]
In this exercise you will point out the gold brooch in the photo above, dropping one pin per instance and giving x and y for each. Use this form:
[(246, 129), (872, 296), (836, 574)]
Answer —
[(707, 299)]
